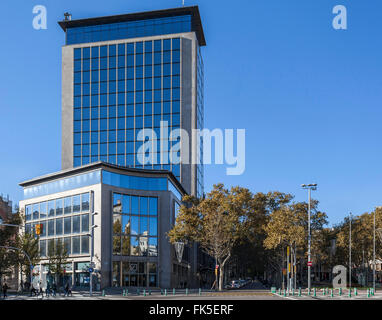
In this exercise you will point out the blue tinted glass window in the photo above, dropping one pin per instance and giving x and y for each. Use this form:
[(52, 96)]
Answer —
[(86, 53), (77, 53), (176, 44), (121, 49), (112, 50), (139, 47), (148, 46), (95, 52)]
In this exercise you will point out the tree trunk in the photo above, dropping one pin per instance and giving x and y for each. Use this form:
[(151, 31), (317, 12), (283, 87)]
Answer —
[(221, 272)]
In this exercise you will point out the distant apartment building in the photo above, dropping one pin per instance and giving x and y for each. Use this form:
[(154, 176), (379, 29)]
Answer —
[(5, 208)]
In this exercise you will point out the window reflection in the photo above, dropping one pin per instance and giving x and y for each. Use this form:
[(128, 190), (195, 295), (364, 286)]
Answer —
[(59, 207), (36, 211), (43, 210), (51, 208), (68, 205), (134, 246), (76, 204), (138, 229), (116, 245), (117, 226)]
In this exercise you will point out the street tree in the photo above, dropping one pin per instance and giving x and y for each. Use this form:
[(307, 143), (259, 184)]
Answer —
[(57, 260), (216, 222)]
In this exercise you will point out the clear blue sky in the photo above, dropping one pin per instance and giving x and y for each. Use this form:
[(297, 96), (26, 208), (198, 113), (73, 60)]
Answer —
[(308, 96)]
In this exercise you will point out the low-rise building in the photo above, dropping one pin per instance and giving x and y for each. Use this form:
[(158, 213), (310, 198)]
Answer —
[(132, 211)]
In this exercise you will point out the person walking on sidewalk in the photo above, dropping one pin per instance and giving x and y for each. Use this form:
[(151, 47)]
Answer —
[(5, 288)]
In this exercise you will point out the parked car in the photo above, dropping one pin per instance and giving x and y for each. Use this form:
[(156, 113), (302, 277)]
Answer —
[(235, 284)]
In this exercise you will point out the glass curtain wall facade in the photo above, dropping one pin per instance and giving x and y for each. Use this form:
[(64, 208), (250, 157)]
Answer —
[(64, 221), (135, 234), (119, 90), (129, 29), (135, 225)]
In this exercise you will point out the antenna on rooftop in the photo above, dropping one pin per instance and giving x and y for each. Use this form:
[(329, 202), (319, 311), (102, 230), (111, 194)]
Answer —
[(67, 16)]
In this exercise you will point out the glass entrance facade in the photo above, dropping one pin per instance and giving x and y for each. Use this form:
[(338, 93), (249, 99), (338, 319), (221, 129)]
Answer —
[(135, 274)]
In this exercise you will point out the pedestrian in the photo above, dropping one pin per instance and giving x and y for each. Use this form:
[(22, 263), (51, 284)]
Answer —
[(47, 290), (54, 289), (5, 288), (39, 290), (68, 290)]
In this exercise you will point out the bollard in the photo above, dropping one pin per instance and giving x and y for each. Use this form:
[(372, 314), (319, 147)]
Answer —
[(103, 293), (314, 292), (284, 293), (165, 292), (280, 291), (299, 292), (355, 292), (200, 291), (161, 292), (138, 293), (144, 292), (368, 293), (186, 291), (173, 291), (323, 291), (124, 293), (340, 291), (331, 293), (308, 291), (349, 292), (293, 292)]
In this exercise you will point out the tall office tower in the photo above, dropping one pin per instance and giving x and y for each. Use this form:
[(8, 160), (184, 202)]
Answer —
[(125, 73)]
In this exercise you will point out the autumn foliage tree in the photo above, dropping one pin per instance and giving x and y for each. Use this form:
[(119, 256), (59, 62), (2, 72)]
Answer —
[(217, 222)]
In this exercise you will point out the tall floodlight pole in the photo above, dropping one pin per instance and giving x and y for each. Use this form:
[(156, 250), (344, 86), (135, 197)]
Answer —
[(310, 187), (350, 220)]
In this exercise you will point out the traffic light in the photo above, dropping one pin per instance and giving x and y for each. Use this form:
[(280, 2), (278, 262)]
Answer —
[(39, 229)]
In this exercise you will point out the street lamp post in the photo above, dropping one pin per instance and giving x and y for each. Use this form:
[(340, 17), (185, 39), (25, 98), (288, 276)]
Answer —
[(92, 254), (310, 187)]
